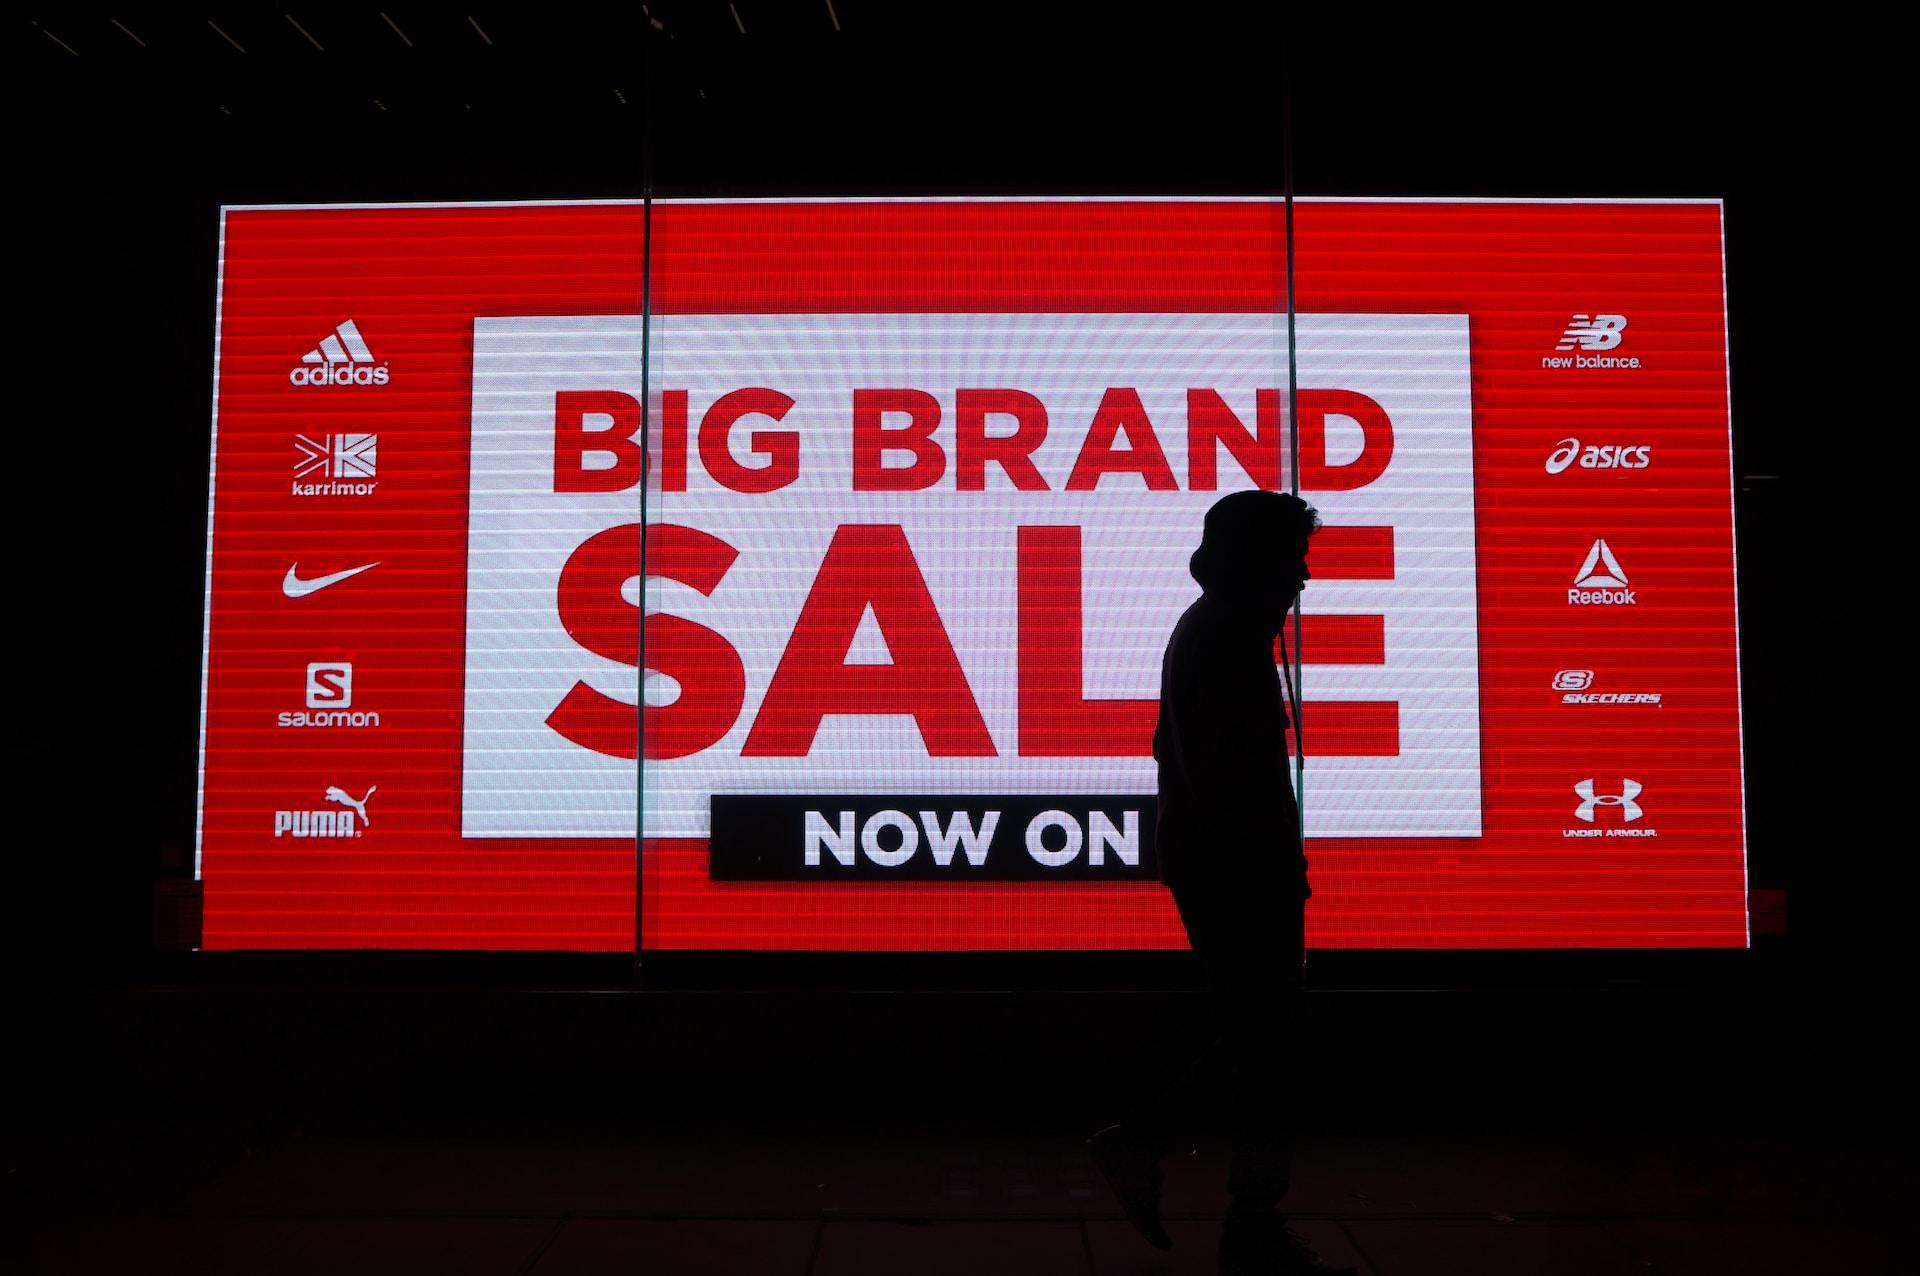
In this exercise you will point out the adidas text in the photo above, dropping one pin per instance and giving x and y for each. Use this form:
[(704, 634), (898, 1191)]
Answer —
[(339, 374)]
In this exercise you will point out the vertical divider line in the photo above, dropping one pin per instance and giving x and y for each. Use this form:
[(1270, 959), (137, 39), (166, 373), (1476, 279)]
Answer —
[(1293, 659), (647, 107)]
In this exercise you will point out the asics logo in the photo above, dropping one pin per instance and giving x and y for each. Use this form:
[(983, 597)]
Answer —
[(1597, 456)]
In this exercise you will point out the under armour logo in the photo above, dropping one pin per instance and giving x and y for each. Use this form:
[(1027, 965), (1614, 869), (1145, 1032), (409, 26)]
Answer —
[(1624, 799)]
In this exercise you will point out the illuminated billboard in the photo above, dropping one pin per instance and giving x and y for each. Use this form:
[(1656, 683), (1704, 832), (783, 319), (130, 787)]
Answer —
[(821, 579)]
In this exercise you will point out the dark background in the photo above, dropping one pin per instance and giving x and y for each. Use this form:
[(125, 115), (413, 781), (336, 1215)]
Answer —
[(133, 141)]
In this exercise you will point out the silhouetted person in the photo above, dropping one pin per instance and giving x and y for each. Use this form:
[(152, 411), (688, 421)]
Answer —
[(1229, 843)]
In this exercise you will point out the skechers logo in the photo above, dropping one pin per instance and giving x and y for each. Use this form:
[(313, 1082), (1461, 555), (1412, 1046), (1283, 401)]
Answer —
[(1575, 687)]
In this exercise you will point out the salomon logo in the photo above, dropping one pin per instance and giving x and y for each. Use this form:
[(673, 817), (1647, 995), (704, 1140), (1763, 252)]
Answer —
[(329, 697)]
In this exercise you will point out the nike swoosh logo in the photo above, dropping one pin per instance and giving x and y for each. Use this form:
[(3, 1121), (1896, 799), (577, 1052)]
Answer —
[(294, 587)]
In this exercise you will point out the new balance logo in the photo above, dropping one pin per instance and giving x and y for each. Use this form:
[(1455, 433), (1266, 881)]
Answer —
[(335, 464), (1600, 582), (341, 358), (1586, 336), (327, 822), (1593, 332)]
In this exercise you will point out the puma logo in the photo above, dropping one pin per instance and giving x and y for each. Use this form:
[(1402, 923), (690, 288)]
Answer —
[(337, 794)]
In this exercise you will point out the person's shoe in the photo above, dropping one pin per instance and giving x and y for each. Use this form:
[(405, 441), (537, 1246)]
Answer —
[(1133, 1172), (1263, 1245)]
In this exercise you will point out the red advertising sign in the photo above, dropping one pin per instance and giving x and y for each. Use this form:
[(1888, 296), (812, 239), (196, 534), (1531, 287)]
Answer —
[(859, 646)]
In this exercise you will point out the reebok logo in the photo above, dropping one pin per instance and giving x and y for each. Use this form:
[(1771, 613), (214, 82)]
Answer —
[(341, 358), (1600, 582)]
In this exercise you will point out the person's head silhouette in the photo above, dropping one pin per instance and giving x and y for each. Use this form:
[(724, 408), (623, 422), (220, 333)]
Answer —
[(1253, 550)]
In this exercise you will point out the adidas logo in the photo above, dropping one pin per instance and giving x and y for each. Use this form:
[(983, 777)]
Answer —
[(341, 358)]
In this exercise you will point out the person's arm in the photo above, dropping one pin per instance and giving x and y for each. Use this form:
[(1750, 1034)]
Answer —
[(1232, 734)]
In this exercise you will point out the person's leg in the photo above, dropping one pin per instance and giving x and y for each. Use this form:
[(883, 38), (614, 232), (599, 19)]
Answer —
[(1261, 998), (1264, 1097), (1129, 1153), (1164, 1113)]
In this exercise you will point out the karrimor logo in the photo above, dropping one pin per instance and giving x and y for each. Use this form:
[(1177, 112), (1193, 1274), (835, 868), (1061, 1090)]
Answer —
[(1586, 336), (341, 358), (335, 464), (1598, 456), (327, 821), (1600, 582), (1593, 332)]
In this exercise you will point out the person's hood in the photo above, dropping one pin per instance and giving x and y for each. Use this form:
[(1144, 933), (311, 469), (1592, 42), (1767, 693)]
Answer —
[(1243, 546)]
